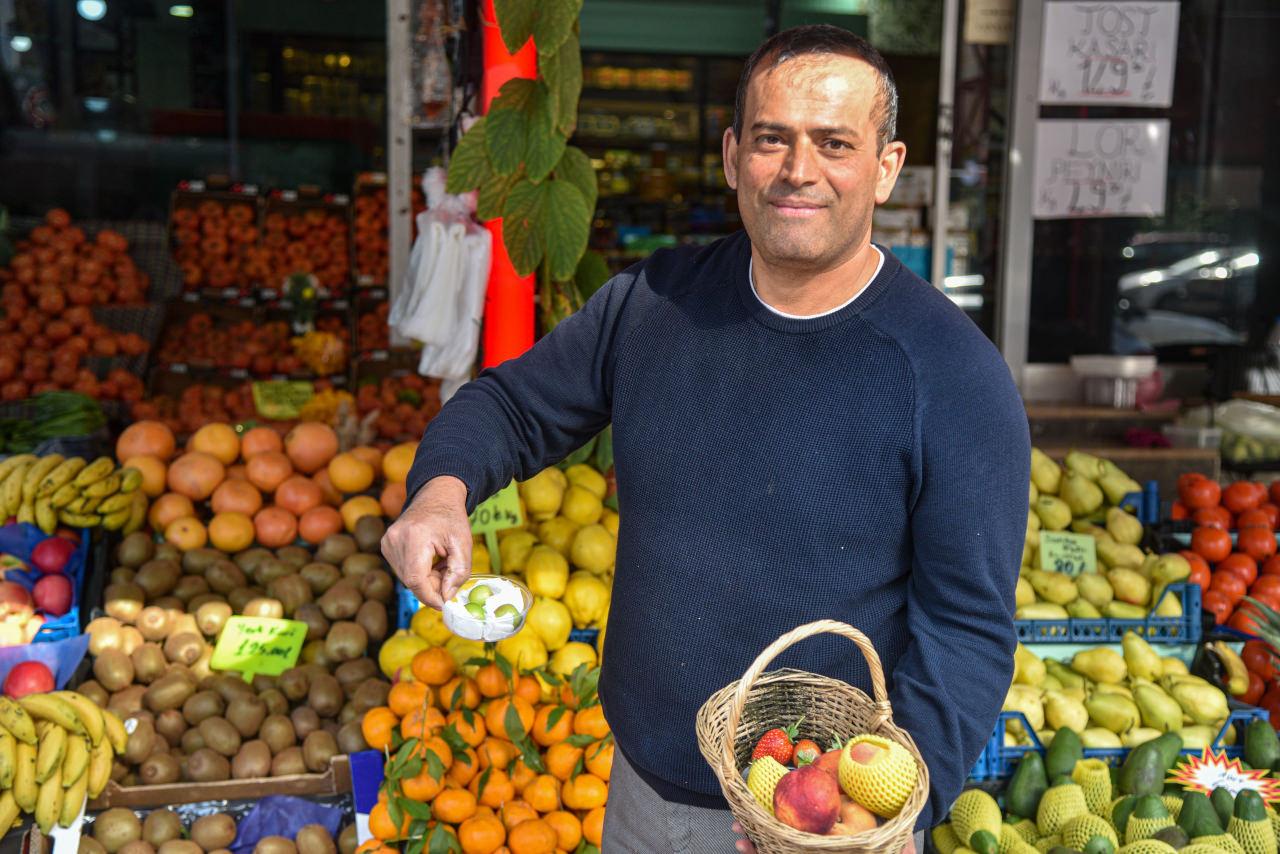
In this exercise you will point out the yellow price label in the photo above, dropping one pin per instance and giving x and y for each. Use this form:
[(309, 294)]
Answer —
[(1070, 554), (281, 400), (498, 513), (253, 645)]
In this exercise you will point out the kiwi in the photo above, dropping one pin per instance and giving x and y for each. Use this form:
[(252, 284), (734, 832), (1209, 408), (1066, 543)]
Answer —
[(335, 548), (138, 846), (230, 687), (346, 641), (170, 691), (356, 565), (351, 738), (377, 584), (220, 736), (250, 559), (212, 616), (292, 591), (116, 827), (126, 702), (372, 617), (171, 724), (122, 575), (325, 696), (370, 694), (276, 703), (203, 704), (95, 692), (341, 601), (288, 762), (148, 663), (275, 845), (154, 623), (130, 639), (348, 714), (252, 761), (317, 749), (315, 839), (317, 623), (208, 766), (242, 596), (180, 846), (89, 845), (192, 741), (160, 826), (159, 769), (351, 673), (305, 721), (224, 577), (295, 556), (215, 831), (272, 569), (263, 607), (184, 648), (158, 577), (172, 604), (348, 841), (104, 634), (135, 550), (294, 683), (123, 601), (369, 531), (320, 576), (198, 561), (313, 653), (278, 733), (247, 715), (140, 742), (189, 587), (114, 670), (181, 621)]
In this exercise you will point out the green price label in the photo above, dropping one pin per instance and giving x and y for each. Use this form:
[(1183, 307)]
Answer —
[(253, 645), (1070, 554), (281, 400), (500, 512)]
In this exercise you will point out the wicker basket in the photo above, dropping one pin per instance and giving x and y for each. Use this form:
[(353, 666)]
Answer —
[(734, 718)]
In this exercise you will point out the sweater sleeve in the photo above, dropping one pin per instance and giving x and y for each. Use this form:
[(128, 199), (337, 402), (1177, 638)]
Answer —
[(532, 411), (967, 526)]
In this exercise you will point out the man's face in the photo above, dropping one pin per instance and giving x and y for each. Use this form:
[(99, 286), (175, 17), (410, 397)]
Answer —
[(806, 169)]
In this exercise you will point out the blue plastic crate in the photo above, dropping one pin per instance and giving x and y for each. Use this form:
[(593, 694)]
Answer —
[(1180, 630), (406, 604), (999, 761), (19, 540)]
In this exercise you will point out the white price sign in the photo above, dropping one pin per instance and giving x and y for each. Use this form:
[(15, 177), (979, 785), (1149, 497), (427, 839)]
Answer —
[(1100, 167), (1119, 53)]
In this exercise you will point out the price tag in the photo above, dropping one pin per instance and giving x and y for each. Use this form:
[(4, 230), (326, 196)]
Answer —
[(498, 513), (281, 400), (196, 186), (1070, 554), (1211, 770), (238, 374), (253, 645), (178, 368)]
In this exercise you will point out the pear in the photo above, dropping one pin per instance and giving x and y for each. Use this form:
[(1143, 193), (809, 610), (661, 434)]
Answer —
[(1046, 475), (1086, 465), (1141, 659), (1139, 735), (1123, 528), (1168, 569), (1118, 690), (1025, 699), (1052, 586), (1082, 495), (1028, 669), (1116, 555), (1094, 589), (1129, 586), (1041, 611), (1113, 712), (1082, 609), (1097, 738), (1051, 683), (1110, 469), (1068, 677), (1116, 487), (1063, 711), (1029, 554), (1118, 610), (1198, 737), (1101, 664), (1170, 606), (1171, 666), (1158, 709), (1024, 595), (1202, 702), (1054, 513), (1084, 526), (1032, 494)]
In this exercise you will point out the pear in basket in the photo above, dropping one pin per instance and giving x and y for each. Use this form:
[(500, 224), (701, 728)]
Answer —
[(877, 773)]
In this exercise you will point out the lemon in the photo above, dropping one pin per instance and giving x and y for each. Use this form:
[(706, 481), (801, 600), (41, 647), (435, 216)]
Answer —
[(464, 650), (546, 572), (514, 550), (551, 620), (594, 549), (543, 493), (587, 599), (588, 478), (610, 521), (397, 653), (581, 506), (558, 533), (524, 650), (568, 657), (428, 624), (480, 559)]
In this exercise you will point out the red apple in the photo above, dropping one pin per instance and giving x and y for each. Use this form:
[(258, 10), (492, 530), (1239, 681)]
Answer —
[(829, 762), (14, 599), (52, 595), (807, 799), (51, 555), (28, 677)]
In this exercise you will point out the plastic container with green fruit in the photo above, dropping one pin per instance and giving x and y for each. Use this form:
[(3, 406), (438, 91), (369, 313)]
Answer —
[(488, 608)]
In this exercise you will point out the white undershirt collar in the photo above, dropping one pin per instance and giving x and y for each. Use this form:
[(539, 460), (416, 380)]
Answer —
[(752, 279)]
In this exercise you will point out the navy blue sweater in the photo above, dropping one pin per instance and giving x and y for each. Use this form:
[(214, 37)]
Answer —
[(869, 466)]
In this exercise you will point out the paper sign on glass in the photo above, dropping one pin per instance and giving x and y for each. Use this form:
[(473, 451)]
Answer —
[(1118, 53), (253, 645), (1100, 167), (1070, 554)]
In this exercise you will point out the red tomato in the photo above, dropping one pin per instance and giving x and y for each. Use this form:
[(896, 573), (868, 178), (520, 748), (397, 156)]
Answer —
[(1266, 585), (1213, 517), (1271, 600), (1240, 565), (1275, 492), (1197, 491), (1255, 518), (1258, 658), (1272, 566), (1260, 543), (1244, 620), (1211, 544), (1228, 584), (1271, 702), (1217, 603), (1240, 496), (1254, 692), (1200, 574), (1178, 511), (1273, 513)]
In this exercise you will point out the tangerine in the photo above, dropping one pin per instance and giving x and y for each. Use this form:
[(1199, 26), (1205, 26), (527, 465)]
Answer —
[(168, 507), (437, 745), (319, 523), (472, 733), (543, 794), (421, 787), (496, 716), (459, 692), (259, 439), (231, 532), (521, 776), (381, 825), (405, 697), (466, 766), (491, 681), (584, 792), (590, 721), (310, 445), (236, 496), (237, 472), (275, 526), (146, 437), (186, 533), (153, 472), (496, 753), (268, 470), (433, 666), (420, 723), (561, 758), (195, 475), (355, 509), (481, 835), (532, 837), (454, 806), (567, 827), (545, 733), (377, 726), (218, 440), (497, 788), (517, 812), (600, 759), (529, 689), (593, 826), (298, 494)]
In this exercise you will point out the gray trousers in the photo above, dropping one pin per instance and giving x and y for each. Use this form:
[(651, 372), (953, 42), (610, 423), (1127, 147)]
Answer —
[(637, 821)]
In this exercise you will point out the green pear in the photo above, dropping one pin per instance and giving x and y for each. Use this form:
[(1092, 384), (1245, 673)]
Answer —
[(1116, 487), (1041, 611), (1119, 556), (1051, 683), (1025, 593), (1143, 661), (1063, 711), (1129, 586), (1054, 513), (1097, 738), (1109, 688), (1202, 702), (1082, 609), (1028, 669), (1032, 494), (1118, 610), (1168, 569), (1086, 465), (1053, 587), (1123, 528), (1113, 713), (1139, 735), (1025, 699), (1069, 678), (1101, 664), (1045, 473), (1094, 589), (1171, 665), (1110, 469), (1169, 606), (1082, 495)]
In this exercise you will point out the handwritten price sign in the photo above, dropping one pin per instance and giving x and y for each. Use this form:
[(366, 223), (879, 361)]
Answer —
[(253, 645), (1070, 554), (500, 512)]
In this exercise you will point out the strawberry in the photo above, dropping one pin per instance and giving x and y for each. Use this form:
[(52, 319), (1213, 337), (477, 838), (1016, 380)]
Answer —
[(778, 743), (806, 752)]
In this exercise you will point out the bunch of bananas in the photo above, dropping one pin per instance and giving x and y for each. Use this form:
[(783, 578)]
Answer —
[(56, 749), (53, 489)]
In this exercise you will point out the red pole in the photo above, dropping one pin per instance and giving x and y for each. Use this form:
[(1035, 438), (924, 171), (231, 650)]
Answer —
[(508, 304)]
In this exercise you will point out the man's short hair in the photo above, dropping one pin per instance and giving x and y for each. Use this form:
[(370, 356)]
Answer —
[(823, 38)]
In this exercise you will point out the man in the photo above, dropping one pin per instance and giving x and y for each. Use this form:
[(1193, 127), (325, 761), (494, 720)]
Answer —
[(802, 429)]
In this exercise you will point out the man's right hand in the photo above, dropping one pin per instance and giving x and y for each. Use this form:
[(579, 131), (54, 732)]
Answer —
[(434, 525)]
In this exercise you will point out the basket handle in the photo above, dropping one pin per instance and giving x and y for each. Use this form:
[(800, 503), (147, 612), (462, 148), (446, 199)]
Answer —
[(883, 711)]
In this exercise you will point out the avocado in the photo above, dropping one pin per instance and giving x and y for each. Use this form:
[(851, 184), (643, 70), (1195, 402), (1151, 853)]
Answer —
[(1223, 804), (983, 842), (1249, 806), (1261, 746), (1099, 845), (1198, 817), (1174, 836), (1121, 812), (1169, 746), (1143, 772), (1026, 787), (1064, 752)]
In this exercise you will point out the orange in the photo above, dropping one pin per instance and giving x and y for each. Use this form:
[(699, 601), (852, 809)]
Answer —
[(274, 526), (437, 745), (376, 846), (319, 523), (567, 697), (433, 666), (186, 533), (168, 507), (459, 692), (532, 837), (545, 733), (237, 496), (397, 462), (496, 717), (237, 472), (218, 440), (355, 509), (593, 826), (584, 792), (600, 759), (521, 776), (370, 455), (497, 789), (481, 835), (454, 806), (465, 767), (529, 690), (231, 532), (376, 727), (348, 473), (392, 499), (567, 827), (561, 759), (590, 721), (146, 437), (259, 439), (421, 722), (496, 753), (472, 733), (543, 794), (310, 445), (422, 787), (153, 472), (298, 494), (405, 697), (331, 496), (268, 470), (381, 826), (491, 681), (517, 812), (195, 475)]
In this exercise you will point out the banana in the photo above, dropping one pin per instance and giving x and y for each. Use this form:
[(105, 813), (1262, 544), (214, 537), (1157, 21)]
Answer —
[(137, 513), (8, 465), (46, 516), (15, 719), (49, 802), (53, 747), (115, 732), (73, 800), (27, 512), (109, 485), (55, 710), (62, 474), (115, 503), (1237, 673), (11, 490), (94, 472), (116, 521), (130, 479), (8, 811), (8, 760), (64, 495), (99, 773), (89, 504), (24, 777), (91, 717), (75, 760), (80, 520), (36, 473)]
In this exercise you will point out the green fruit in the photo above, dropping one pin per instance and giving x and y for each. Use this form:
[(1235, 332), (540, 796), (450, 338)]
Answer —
[(480, 594), (1198, 817), (1172, 835), (1261, 746), (1224, 804), (1064, 752), (507, 611), (476, 610), (1149, 817), (1143, 771), (1027, 786), (1120, 813)]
